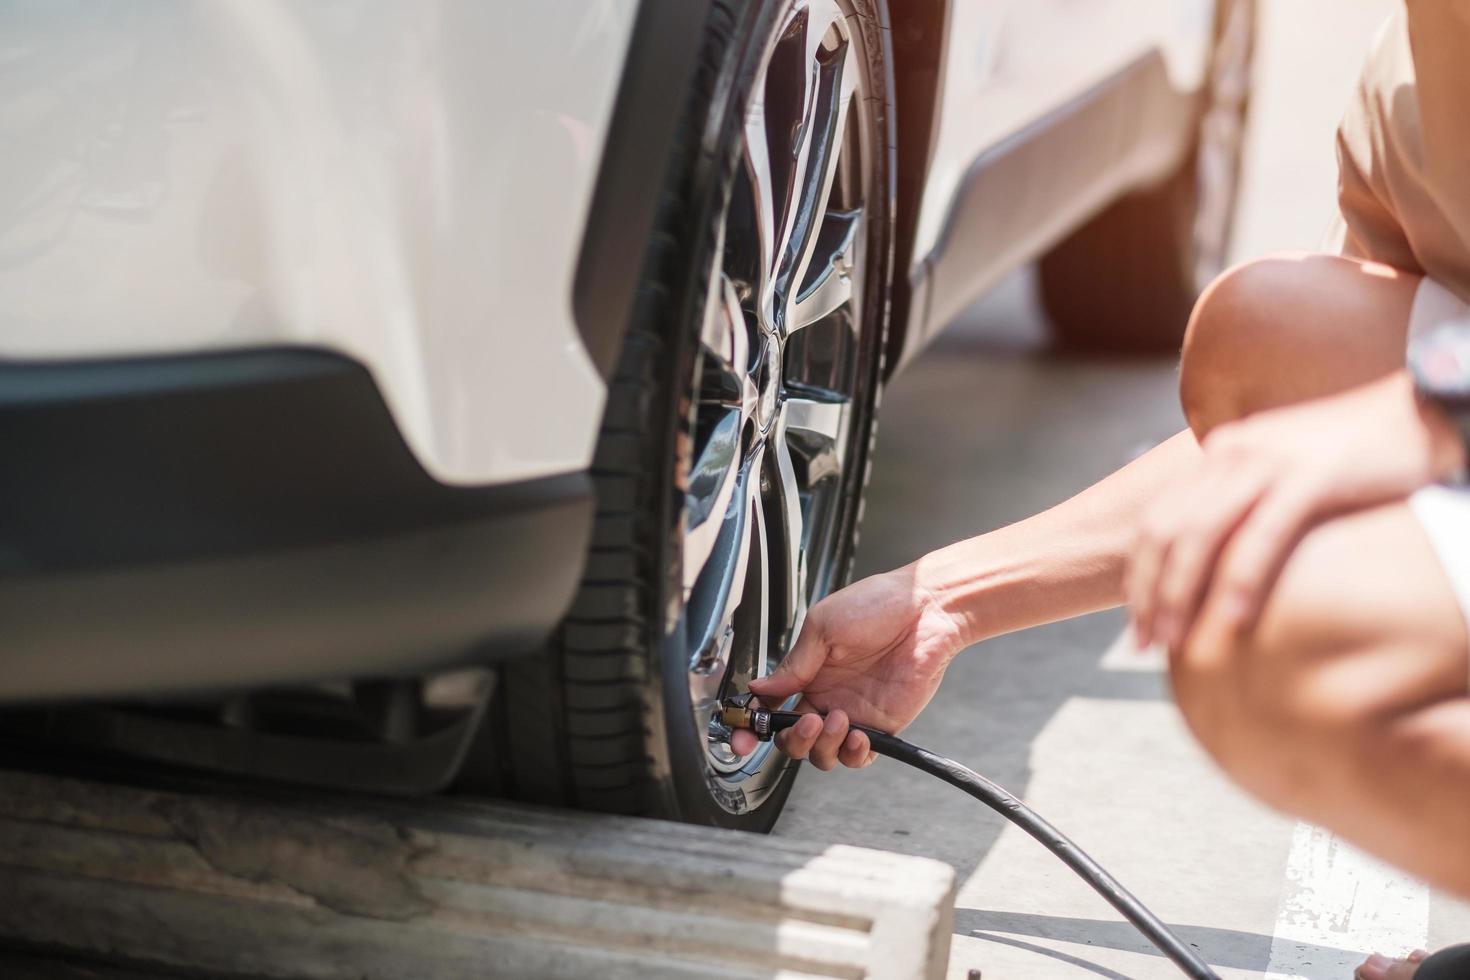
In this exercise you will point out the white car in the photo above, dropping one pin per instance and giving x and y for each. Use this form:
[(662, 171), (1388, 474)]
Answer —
[(469, 393)]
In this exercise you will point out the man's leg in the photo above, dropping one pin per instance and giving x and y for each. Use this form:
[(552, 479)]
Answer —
[(1347, 705), (1290, 328)]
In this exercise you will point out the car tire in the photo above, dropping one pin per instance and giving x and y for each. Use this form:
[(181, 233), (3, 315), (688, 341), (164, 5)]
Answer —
[(1128, 279), (734, 449)]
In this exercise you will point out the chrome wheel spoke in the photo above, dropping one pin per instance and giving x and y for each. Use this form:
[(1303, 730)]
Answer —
[(725, 339), (728, 396), (763, 598), (817, 431), (719, 585), (711, 489), (758, 158), (725, 334), (823, 130), (823, 419), (705, 685), (792, 551), (792, 147), (828, 285)]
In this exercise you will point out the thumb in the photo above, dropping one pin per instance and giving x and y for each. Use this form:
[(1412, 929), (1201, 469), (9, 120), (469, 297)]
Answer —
[(800, 665)]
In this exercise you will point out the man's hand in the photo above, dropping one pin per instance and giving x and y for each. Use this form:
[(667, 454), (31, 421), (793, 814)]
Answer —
[(873, 653), (1226, 531)]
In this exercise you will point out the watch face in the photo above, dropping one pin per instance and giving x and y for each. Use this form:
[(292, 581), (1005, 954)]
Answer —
[(1440, 360)]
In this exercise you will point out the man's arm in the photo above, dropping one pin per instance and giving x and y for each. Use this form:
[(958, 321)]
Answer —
[(876, 651), (1064, 562)]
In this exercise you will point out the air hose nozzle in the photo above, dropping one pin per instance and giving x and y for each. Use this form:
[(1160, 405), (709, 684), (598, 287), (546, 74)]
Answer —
[(736, 712)]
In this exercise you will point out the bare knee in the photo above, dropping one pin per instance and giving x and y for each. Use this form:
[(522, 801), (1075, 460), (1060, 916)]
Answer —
[(1228, 320), (1287, 328)]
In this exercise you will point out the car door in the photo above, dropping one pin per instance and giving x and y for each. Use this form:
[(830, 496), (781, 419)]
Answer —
[(1011, 62)]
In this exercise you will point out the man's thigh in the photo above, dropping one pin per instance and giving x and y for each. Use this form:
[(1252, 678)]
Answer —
[(1363, 621), (1349, 704), (1361, 624)]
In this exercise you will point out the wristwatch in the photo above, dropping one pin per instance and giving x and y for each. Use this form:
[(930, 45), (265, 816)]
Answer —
[(1439, 362)]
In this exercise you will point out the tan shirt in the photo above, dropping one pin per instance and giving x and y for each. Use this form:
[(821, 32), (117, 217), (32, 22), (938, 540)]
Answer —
[(1404, 146)]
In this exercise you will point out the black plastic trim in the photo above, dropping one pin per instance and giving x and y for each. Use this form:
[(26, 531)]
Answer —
[(425, 764), (920, 43), (251, 517), (661, 59)]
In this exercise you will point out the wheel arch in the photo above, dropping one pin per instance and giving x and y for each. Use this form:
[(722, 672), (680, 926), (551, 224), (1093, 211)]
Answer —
[(646, 111)]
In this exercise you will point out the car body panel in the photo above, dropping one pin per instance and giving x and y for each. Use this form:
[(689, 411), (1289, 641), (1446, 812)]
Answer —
[(254, 173), (411, 213), (403, 183), (1030, 191), (1012, 63)]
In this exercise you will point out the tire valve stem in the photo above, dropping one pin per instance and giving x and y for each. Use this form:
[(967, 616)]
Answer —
[(736, 712)]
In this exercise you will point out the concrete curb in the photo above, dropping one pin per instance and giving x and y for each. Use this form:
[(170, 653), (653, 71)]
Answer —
[(368, 888)]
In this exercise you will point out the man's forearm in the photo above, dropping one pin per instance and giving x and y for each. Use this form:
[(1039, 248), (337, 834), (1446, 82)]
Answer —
[(1063, 562)]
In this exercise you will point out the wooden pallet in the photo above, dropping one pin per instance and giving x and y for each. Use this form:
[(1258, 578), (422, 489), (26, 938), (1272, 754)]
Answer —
[(208, 882)]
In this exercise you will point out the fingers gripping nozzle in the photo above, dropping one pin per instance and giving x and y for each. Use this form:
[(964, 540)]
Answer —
[(737, 712)]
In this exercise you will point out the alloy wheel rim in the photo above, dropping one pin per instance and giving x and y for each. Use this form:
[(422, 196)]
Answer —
[(775, 379)]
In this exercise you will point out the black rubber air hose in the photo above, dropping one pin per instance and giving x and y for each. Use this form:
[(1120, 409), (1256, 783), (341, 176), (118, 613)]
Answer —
[(737, 713)]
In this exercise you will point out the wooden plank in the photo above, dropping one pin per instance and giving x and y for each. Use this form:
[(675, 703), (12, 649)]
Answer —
[(331, 889)]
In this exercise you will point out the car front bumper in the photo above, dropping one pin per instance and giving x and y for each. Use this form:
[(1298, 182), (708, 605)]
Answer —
[(248, 518)]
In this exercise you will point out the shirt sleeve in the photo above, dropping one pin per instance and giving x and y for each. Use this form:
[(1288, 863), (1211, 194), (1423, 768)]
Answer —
[(1371, 229)]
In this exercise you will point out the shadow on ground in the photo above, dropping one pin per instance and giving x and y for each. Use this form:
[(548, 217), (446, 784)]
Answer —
[(1231, 948), (988, 427)]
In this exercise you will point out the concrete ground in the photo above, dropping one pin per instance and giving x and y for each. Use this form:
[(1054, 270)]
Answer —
[(1063, 715)]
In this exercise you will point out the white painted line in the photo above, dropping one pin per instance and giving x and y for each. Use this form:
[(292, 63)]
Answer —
[(1337, 905)]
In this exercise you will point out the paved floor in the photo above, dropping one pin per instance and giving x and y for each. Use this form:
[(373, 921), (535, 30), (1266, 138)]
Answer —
[(1089, 736)]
